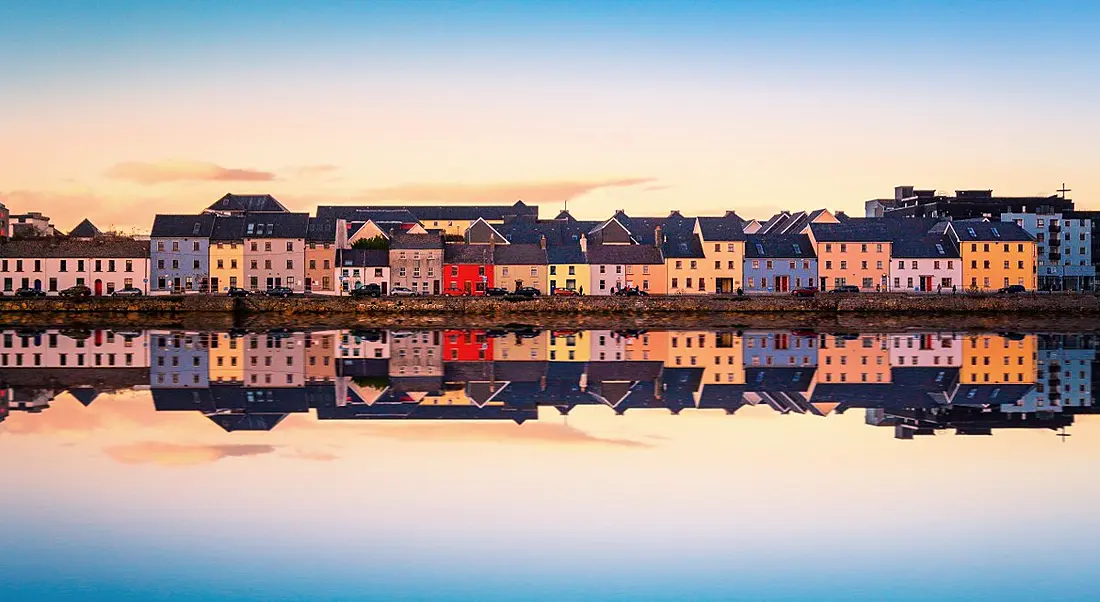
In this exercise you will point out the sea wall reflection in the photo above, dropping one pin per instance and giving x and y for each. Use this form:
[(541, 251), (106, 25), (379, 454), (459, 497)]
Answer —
[(916, 383)]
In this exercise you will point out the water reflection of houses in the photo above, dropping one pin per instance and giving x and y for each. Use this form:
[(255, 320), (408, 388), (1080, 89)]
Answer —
[(917, 382), (36, 365)]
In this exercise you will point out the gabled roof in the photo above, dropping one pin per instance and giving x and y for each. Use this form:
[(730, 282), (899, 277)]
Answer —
[(612, 227), (519, 254), (85, 229), (624, 254), (973, 231), (321, 230), (276, 225), (85, 395), (358, 258), (228, 228), (853, 230), (482, 231), (246, 203), (183, 226), (416, 241), (716, 229), (793, 246), (680, 240), (461, 253)]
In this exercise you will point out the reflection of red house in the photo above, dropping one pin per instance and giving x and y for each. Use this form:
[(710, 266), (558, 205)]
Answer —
[(466, 346), (467, 269)]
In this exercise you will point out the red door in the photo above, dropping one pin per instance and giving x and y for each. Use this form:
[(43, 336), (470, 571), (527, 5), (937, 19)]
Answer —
[(98, 287)]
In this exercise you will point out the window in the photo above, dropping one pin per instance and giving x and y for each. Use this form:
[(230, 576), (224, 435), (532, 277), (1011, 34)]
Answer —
[(175, 245), (534, 271), (863, 265), (863, 248), (267, 245), (756, 264), (553, 271), (221, 264), (290, 264), (843, 265), (693, 264), (195, 264), (868, 283), (289, 246), (99, 265), (267, 264), (129, 265), (572, 270), (195, 246)]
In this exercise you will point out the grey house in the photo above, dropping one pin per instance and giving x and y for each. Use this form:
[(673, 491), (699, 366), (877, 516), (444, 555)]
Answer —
[(179, 253), (416, 262)]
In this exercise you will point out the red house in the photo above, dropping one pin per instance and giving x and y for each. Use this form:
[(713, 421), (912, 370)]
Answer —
[(467, 346), (467, 269)]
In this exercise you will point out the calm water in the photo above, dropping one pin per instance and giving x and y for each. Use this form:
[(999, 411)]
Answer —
[(549, 465)]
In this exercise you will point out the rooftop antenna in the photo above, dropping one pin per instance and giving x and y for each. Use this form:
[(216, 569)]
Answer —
[(1064, 434), (1063, 190)]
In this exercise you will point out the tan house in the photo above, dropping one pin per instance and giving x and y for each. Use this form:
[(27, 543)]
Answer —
[(517, 265), (416, 262), (275, 250), (723, 243)]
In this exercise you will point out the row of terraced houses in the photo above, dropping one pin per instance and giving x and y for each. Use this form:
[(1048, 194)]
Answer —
[(969, 241)]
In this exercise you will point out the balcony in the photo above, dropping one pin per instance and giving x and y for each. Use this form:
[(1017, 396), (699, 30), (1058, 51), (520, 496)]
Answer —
[(1055, 242), (1054, 228), (1055, 255)]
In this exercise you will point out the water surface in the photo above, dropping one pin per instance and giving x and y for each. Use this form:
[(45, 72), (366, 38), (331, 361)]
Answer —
[(560, 465)]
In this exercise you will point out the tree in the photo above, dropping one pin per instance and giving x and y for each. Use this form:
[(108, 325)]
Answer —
[(377, 242)]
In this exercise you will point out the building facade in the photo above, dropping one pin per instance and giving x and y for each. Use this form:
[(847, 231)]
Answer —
[(520, 264), (227, 254), (779, 264), (855, 252), (995, 254), (356, 268), (275, 250), (416, 262), (1063, 249), (467, 269), (104, 264), (180, 254)]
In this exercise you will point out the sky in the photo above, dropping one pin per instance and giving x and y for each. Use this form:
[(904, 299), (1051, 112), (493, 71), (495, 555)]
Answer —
[(117, 110)]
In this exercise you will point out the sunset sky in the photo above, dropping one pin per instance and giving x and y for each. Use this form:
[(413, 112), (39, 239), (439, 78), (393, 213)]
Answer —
[(118, 110)]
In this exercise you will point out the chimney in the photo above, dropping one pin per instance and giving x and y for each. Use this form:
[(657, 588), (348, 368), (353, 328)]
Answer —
[(657, 240), (542, 241), (584, 243)]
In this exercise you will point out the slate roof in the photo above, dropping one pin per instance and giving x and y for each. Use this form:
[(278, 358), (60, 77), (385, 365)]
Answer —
[(416, 241), (928, 246), (467, 254), (102, 246), (228, 228), (444, 212), (321, 230), (183, 226), (868, 230), (793, 246), (561, 254), (716, 229), (242, 203), (680, 240), (363, 214), (990, 232), (85, 229), (557, 232), (624, 254), (519, 254), (358, 258), (276, 225)]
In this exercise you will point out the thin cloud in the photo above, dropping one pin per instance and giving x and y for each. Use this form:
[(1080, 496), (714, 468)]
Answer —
[(184, 171), (504, 192), (172, 454)]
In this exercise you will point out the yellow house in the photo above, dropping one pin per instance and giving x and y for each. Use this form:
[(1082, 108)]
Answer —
[(568, 268), (226, 358), (569, 346), (723, 244), (522, 347), (995, 254), (227, 254), (999, 360), (517, 265)]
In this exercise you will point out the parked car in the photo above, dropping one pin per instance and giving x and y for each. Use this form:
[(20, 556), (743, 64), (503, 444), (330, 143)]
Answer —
[(30, 292), (527, 291), (494, 291), (76, 291), (631, 292), (237, 292), (127, 291), (455, 292), (566, 292), (402, 291), (804, 292), (1012, 289), (369, 290), (279, 291), (845, 288)]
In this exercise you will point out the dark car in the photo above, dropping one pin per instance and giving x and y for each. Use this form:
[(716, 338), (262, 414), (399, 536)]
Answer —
[(127, 291), (1012, 289), (631, 292), (845, 288), (237, 292), (565, 292), (30, 292), (527, 291), (76, 291), (279, 291), (369, 290), (804, 292), (494, 291)]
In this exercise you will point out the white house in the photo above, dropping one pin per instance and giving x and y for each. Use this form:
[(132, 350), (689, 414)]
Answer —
[(929, 264), (104, 263), (359, 267)]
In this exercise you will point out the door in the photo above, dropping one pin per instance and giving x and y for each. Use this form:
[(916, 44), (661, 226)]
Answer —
[(435, 287), (782, 283), (385, 288), (98, 287), (214, 284), (467, 288), (926, 284)]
